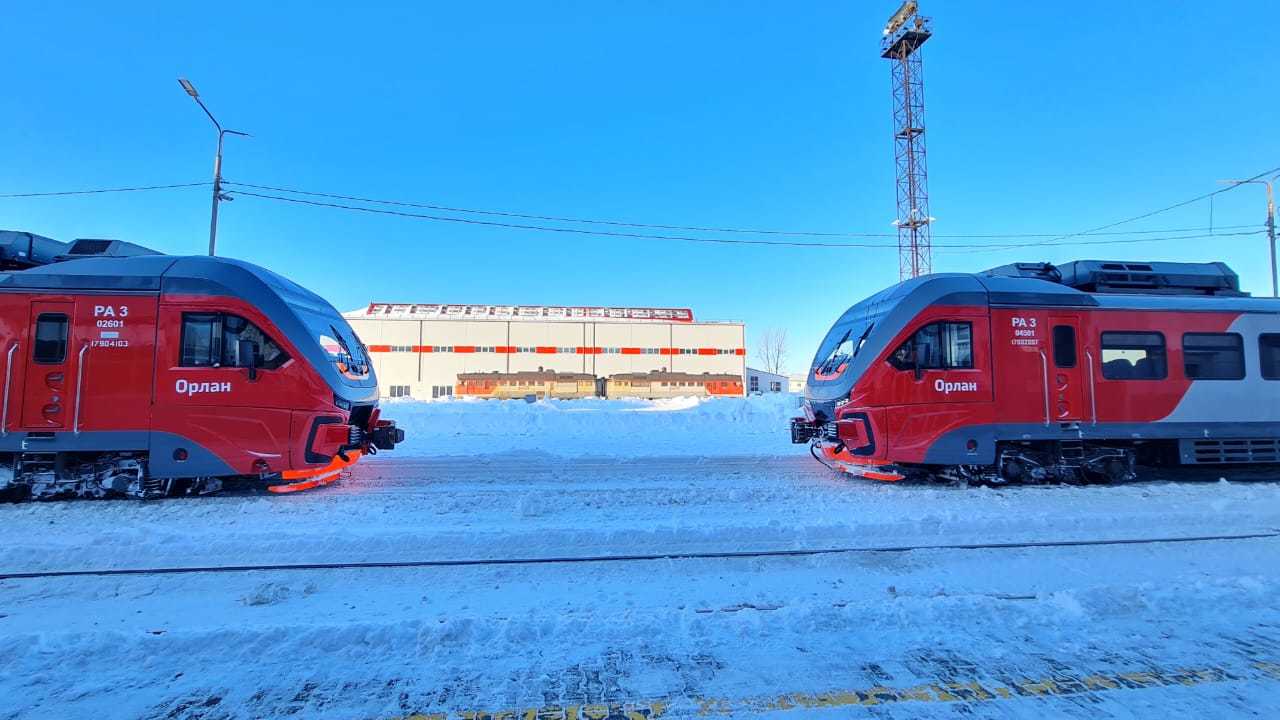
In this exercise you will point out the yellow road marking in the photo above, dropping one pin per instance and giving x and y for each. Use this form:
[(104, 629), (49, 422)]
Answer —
[(948, 691)]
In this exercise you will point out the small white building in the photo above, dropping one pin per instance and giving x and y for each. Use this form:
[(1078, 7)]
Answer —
[(763, 381), (796, 382)]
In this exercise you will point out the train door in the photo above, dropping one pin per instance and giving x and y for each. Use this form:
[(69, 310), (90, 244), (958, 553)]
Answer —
[(1068, 369), (224, 383), (48, 391)]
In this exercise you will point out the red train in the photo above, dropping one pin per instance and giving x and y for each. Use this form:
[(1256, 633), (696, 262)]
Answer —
[(1032, 372), (130, 372)]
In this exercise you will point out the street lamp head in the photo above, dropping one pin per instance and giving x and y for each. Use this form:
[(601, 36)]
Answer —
[(237, 132), (186, 85)]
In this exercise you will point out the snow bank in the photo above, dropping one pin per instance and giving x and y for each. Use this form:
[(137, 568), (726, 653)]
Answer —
[(754, 425)]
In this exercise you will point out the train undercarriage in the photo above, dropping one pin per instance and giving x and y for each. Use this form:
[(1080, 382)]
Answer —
[(1019, 463), (1068, 461), (60, 476), (67, 475)]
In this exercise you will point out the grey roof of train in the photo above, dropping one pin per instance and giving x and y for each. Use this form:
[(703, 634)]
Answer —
[(969, 288), (276, 296), (194, 274)]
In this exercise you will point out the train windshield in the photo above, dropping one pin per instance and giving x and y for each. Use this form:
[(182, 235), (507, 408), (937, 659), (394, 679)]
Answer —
[(336, 337), (340, 343), (846, 348), (848, 336), (325, 325)]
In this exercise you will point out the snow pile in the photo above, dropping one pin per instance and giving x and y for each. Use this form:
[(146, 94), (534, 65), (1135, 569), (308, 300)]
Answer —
[(756, 425)]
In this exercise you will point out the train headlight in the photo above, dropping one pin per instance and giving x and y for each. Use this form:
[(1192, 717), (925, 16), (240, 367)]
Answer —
[(342, 404)]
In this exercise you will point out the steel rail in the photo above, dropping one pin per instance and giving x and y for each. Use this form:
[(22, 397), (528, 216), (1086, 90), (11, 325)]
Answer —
[(643, 557)]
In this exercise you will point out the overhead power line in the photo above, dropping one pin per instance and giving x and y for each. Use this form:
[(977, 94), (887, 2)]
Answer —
[(1174, 206), (680, 238), (1049, 239), (692, 228), (1077, 243), (98, 191)]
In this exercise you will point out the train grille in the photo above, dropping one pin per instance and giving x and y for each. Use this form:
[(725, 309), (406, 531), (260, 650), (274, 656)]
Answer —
[(1207, 452)]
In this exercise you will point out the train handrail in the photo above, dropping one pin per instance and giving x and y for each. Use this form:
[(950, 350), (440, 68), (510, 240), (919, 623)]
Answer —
[(8, 375), (75, 423), (1093, 391), (1044, 368)]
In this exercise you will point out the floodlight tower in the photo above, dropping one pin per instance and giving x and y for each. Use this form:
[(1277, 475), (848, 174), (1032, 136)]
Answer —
[(905, 32)]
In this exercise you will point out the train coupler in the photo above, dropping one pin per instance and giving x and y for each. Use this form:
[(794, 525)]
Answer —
[(803, 431)]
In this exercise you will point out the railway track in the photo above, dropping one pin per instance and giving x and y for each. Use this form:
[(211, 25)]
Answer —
[(628, 558)]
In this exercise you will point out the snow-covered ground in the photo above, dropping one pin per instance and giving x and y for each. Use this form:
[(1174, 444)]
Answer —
[(1171, 629), (599, 428)]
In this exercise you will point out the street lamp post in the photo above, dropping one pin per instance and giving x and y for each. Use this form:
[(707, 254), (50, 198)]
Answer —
[(218, 195), (1271, 225)]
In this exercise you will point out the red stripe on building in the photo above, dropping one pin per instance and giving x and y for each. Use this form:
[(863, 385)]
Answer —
[(544, 350), (631, 351), (740, 351), (505, 349), (707, 351), (464, 348), (584, 350), (422, 348), (379, 348), (666, 351)]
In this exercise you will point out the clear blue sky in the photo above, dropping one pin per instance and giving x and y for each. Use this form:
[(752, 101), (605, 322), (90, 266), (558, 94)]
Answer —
[(1053, 117)]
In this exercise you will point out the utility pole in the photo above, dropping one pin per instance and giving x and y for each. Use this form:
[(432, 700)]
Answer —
[(1271, 224), (218, 195)]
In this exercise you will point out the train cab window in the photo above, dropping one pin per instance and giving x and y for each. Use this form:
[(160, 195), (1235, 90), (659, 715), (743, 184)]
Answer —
[(1269, 355), (213, 340), (51, 338), (844, 351), (1064, 346), (1133, 356), (1213, 356), (936, 346)]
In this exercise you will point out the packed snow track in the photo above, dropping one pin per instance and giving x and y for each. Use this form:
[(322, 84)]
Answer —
[(1018, 622)]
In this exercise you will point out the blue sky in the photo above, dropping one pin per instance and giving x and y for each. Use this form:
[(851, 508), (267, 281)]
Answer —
[(1051, 117)]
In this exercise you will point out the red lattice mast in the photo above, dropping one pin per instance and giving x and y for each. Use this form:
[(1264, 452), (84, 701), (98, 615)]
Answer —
[(905, 32)]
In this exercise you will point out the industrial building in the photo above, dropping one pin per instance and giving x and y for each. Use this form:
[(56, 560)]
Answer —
[(763, 381), (433, 351)]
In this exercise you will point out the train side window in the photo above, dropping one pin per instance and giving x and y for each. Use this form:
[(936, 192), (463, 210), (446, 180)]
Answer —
[(51, 338), (201, 341), (213, 340), (1213, 356), (1064, 346), (1269, 355), (235, 329), (1133, 356), (936, 346)]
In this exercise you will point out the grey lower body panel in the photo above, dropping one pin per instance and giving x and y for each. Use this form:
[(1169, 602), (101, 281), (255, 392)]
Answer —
[(952, 447), (161, 447)]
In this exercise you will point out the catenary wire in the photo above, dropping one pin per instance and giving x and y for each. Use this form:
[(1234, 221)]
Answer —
[(652, 236)]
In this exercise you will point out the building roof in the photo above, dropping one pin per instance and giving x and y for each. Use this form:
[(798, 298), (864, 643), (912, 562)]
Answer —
[(660, 376), (412, 311), (528, 375)]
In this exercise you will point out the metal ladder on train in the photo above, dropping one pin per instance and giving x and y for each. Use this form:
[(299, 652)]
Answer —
[(1072, 452)]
